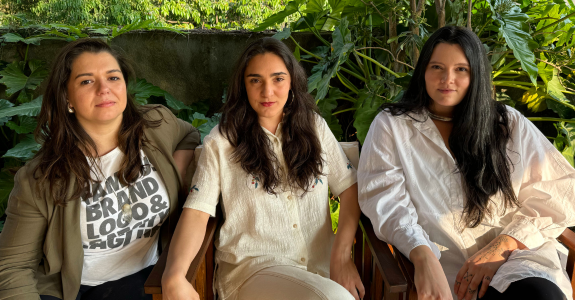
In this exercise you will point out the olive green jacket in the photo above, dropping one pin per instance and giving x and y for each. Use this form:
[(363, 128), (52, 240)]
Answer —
[(41, 247)]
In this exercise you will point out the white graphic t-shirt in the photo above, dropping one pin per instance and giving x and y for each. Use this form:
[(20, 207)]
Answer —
[(114, 246)]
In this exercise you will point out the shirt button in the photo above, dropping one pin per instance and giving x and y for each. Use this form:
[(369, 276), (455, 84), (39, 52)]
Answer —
[(302, 259), (294, 225), (290, 197)]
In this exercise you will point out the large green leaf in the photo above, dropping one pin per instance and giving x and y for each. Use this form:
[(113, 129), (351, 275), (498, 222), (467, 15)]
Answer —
[(558, 102), (174, 103), (282, 35), (290, 8), (15, 79), (535, 99), (337, 7), (3, 105), (513, 27), (6, 185), (367, 107), (24, 150), (31, 108), (313, 6), (209, 125), (142, 90), (27, 125), (326, 107)]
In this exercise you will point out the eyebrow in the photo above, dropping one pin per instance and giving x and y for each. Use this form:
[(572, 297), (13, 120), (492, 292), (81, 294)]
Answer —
[(91, 74), (459, 64), (273, 74)]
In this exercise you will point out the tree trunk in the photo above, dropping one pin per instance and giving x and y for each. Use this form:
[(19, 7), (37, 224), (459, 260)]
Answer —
[(393, 33), (440, 8), (416, 10), (469, 12)]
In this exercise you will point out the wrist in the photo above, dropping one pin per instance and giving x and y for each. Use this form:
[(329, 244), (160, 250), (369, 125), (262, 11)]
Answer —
[(421, 254)]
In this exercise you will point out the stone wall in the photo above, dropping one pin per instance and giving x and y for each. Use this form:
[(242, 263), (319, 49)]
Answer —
[(192, 67)]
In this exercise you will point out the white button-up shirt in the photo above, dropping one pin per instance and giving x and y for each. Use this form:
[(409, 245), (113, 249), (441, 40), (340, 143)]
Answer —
[(410, 189), (262, 230)]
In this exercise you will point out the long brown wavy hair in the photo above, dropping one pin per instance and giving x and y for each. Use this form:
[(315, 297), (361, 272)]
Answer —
[(65, 143), (253, 150)]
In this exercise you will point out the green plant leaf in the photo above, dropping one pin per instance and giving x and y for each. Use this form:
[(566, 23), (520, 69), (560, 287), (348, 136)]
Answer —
[(15, 80), (569, 154), (208, 126), (4, 104), (290, 8), (11, 38), (24, 150), (174, 103), (201, 106), (31, 108), (326, 107), (142, 90), (313, 6), (282, 35), (535, 99), (334, 213), (367, 106), (520, 41), (27, 125), (337, 7)]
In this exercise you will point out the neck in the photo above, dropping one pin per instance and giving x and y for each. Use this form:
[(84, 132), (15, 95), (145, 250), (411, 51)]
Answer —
[(271, 124), (105, 137), (442, 111)]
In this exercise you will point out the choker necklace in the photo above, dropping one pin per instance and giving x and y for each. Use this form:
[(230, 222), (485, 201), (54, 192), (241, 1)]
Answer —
[(439, 118)]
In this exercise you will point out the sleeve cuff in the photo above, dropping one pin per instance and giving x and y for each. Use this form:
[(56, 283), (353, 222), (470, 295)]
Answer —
[(414, 236), (201, 206), (525, 232)]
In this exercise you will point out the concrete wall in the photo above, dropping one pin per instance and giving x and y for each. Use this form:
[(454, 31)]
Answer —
[(192, 67)]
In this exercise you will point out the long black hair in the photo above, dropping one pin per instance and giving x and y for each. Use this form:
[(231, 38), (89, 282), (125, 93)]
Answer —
[(301, 145), (480, 131)]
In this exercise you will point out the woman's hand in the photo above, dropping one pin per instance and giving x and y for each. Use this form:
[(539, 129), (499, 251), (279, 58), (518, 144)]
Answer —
[(482, 266), (430, 280), (178, 288), (343, 271)]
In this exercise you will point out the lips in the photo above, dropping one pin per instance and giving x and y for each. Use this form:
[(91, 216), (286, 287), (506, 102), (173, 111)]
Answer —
[(106, 104), (267, 104), (445, 91)]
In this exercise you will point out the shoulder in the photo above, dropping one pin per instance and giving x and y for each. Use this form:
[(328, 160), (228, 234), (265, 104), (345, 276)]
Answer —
[(154, 112), (215, 138)]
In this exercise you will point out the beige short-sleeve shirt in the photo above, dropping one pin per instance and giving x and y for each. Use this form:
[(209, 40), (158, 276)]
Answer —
[(262, 230)]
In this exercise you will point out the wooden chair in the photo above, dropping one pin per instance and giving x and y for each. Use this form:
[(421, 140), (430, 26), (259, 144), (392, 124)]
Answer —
[(201, 271), (381, 275)]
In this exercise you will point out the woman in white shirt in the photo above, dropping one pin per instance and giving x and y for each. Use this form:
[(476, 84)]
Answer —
[(272, 158), (464, 186)]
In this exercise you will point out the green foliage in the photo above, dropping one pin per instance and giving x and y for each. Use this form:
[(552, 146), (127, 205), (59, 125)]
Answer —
[(166, 14), (368, 62)]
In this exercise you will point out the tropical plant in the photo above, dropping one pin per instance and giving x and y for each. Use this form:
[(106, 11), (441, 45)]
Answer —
[(184, 14), (375, 44)]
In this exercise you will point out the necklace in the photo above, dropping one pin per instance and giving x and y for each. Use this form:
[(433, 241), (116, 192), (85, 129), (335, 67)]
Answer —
[(439, 118), (127, 207)]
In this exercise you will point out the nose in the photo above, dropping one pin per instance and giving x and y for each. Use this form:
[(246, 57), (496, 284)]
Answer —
[(267, 90), (448, 76), (103, 87)]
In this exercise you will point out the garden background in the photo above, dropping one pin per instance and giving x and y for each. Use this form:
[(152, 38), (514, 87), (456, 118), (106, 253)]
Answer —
[(359, 54)]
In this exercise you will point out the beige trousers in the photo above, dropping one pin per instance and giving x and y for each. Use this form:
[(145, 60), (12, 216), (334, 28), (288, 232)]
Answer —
[(290, 283)]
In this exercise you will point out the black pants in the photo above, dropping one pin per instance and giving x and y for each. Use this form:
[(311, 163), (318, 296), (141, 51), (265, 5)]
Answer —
[(532, 288), (127, 288)]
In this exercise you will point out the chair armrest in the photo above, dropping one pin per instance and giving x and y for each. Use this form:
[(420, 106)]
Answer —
[(567, 238), (153, 284), (386, 262)]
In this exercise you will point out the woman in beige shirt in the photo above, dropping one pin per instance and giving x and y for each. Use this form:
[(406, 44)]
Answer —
[(272, 158)]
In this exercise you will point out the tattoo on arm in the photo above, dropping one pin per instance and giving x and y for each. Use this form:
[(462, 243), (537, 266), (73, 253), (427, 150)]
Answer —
[(495, 249)]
